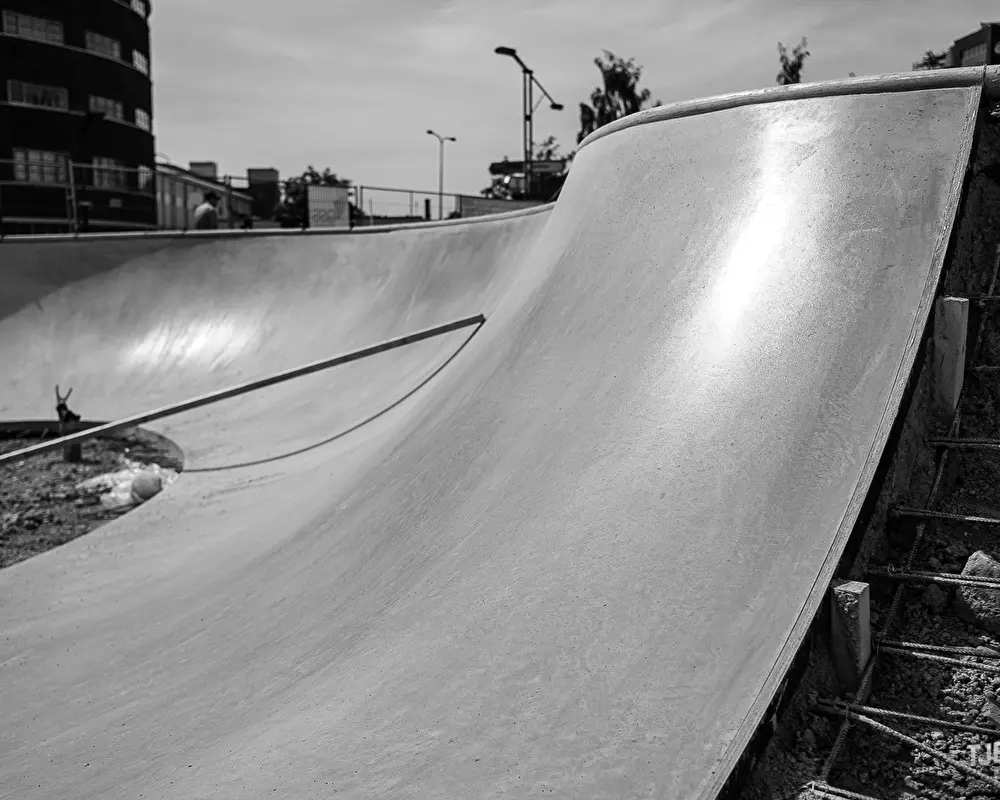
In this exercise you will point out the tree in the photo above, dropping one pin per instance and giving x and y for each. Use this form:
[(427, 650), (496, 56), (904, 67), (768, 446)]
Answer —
[(291, 211), (617, 97), (932, 60), (547, 150), (791, 66)]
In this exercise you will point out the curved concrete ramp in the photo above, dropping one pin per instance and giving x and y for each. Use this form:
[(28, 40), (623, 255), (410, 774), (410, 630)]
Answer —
[(577, 561)]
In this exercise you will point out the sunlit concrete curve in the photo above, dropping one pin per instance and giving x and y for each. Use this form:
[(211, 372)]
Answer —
[(577, 560)]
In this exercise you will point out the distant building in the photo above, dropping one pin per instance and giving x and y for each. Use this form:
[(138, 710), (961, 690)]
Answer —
[(205, 169), (75, 87), (180, 191), (509, 181), (977, 49), (265, 188)]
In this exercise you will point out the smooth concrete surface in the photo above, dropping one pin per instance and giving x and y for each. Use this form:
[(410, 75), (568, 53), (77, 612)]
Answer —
[(576, 562)]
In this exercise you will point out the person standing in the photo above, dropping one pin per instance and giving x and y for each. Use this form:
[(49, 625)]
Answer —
[(206, 216)]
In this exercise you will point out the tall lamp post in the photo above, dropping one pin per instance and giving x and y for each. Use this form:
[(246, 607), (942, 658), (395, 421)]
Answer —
[(529, 81), (441, 140)]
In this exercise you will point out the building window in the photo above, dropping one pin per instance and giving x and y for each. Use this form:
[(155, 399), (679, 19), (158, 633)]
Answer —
[(142, 119), (31, 94), (41, 30), (112, 109), (140, 62), (103, 45), (145, 178), (109, 173), (40, 166), (974, 56), (139, 7)]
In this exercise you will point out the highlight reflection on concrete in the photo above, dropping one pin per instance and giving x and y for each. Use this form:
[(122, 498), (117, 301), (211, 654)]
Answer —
[(578, 560)]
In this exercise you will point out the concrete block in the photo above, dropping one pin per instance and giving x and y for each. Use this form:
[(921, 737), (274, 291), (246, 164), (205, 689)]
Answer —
[(951, 323), (851, 632)]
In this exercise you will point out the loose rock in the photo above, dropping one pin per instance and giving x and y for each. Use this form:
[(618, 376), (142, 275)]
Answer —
[(934, 599), (977, 605)]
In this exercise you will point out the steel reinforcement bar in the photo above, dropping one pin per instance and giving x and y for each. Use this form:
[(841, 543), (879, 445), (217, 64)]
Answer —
[(244, 388)]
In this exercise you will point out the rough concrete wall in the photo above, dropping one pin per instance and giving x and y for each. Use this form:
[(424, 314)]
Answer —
[(978, 230), (967, 269)]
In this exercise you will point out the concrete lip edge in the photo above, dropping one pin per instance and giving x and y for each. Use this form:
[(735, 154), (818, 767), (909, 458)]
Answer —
[(890, 83)]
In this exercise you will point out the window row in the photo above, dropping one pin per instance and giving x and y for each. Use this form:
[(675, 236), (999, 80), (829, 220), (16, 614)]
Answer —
[(47, 30), (112, 109), (48, 167), (32, 94), (104, 45), (57, 97), (28, 27), (974, 56)]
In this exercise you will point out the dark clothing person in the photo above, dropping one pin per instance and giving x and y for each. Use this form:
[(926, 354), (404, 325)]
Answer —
[(206, 216)]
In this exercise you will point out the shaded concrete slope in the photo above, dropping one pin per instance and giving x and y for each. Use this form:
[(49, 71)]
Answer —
[(578, 560)]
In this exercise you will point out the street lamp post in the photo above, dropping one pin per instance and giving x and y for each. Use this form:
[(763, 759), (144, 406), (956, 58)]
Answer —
[(441, 140), (529, 81)]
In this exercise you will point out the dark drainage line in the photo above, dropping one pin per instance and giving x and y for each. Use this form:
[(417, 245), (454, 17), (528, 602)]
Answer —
[(352, 428), (244, 388)]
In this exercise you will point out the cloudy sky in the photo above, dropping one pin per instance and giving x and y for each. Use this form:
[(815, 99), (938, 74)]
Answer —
[(355, 84)]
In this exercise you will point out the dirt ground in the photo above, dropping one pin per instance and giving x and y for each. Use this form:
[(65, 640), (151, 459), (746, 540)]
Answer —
[(40, 506)]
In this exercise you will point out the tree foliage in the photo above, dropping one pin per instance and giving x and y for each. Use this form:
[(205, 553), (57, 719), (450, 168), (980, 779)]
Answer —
[(932, 60), (547, 150), (292, 209), (618, 95), (791, 65)]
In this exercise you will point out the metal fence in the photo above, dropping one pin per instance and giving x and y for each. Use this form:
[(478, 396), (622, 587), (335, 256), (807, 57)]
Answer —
[(379, 205), (46, 193)]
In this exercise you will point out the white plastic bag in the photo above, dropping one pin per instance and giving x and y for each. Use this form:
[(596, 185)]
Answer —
[(133, 484)]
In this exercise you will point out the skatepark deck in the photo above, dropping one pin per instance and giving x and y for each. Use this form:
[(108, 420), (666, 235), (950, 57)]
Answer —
[(577, 560)]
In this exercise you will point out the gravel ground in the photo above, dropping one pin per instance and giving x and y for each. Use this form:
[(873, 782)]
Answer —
[(40, 507), (873, 763)]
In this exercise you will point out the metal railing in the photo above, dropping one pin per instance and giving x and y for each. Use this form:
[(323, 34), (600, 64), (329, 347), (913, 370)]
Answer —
[(377, 205), (54, 195)]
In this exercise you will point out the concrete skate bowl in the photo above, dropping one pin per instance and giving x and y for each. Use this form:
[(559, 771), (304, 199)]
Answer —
[(578, 559)]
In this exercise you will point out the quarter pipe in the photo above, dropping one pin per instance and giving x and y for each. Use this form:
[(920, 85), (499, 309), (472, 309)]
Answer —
[(576, 560)]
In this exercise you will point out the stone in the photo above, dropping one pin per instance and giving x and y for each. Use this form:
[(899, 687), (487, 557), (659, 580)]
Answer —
[(145, 485), (957, 550), (991, 711), (980, 606), (934, 599)]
